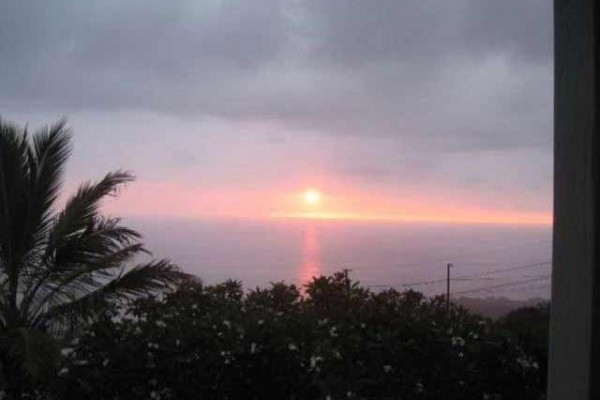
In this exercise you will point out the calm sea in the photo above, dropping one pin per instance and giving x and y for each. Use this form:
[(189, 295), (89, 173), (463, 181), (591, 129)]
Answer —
[(510, 261)]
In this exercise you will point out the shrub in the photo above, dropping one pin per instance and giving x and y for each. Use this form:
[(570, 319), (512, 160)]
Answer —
[(336, 340)]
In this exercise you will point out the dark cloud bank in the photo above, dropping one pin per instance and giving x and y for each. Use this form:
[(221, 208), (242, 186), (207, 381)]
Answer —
[(429, 76)]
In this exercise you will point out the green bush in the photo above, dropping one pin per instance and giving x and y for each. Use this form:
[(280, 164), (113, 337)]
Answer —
[(336, 340)]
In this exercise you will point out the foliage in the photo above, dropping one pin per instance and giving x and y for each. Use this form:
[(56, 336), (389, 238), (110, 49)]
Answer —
[(529, 326), (57, 269), (337, 340)]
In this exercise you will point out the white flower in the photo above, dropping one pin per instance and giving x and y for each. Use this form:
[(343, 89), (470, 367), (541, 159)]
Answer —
[(252, 348), (226, 357), (457, 341), (349, 394), (227, 324), (524, 362), (260, 322), (66, 351), (160, 323), (292, 347), (332, 331), (177, 342), (105, 362), (419, 387), (63, 372), (387, 368), (314, 360)]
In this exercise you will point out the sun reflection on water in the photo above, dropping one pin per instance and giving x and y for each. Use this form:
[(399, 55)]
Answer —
[(311, 258)]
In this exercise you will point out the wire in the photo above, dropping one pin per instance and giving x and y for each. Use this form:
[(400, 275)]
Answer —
[(468, 277), (502, 285), (524, 289), (502, 270), (458, 256)]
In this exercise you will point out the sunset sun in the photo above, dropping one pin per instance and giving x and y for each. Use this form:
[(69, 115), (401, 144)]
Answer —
[(312, 197)]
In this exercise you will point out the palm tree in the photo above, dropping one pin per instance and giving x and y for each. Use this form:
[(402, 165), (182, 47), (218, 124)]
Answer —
[(58, 269)]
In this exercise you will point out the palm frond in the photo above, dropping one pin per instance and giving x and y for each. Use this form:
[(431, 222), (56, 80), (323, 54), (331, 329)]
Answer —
[(13, 188), (82, 209), (30, 177), (14, 178), (140, 280), (70, 285), (101, 238), (47, 157), (94, 253), (145, 278)]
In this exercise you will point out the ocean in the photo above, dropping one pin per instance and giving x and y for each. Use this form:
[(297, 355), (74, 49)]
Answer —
[(488, 260)]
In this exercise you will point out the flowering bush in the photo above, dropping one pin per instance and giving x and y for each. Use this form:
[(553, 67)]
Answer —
[(335, 341)]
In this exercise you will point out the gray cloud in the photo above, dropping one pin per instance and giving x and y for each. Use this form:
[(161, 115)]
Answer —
[(409, 79)]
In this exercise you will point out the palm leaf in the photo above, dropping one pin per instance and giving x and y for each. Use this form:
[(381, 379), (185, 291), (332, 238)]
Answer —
[(140, 280), (14, 178), (103, 246), (47, 157), (82, 209)]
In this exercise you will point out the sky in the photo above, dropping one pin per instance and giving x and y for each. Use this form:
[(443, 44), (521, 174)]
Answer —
[(393, 110)]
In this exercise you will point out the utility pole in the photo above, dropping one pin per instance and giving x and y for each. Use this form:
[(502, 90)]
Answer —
[(346, 272), (448, 266)]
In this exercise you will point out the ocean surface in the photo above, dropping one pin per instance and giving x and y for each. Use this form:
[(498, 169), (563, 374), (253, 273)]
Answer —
[(488, 260)]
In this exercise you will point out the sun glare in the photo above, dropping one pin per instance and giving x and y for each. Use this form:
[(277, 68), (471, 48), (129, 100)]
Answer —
[(312, 197)]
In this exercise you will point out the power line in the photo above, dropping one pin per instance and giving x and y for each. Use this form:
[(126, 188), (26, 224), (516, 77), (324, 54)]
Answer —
[(502, 285), (469, 276), (523, 289), (502, 270), (459, 256)]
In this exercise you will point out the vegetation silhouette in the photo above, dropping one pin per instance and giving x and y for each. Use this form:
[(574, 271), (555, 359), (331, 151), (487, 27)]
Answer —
[(58, 268), (335, 340)]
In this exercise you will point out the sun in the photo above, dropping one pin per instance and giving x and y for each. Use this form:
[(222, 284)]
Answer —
[(312, 197)]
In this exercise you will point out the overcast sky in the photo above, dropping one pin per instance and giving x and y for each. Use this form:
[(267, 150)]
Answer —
[(231, 107)]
